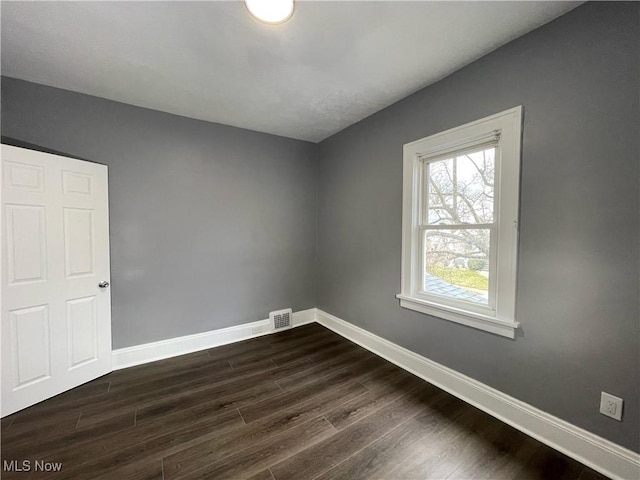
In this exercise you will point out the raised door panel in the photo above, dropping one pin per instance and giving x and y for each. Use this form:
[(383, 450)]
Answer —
[(26, 243), (82, 328), (30, 345), (76, 183), (79, 242), (22, 176)]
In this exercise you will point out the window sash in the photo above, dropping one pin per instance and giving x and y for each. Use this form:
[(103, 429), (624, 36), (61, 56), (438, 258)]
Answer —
[(424, 164), (419, 261)]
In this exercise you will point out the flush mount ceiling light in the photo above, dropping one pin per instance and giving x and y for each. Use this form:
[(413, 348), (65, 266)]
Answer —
[(270, 11)]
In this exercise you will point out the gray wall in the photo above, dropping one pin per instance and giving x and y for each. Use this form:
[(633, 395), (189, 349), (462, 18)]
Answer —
[(211, 226), (577, 78)]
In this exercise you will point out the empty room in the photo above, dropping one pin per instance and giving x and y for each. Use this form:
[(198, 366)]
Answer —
[(298, 240)]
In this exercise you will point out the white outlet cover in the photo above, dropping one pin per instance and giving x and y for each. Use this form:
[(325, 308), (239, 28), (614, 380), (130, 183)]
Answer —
[(611, 406)]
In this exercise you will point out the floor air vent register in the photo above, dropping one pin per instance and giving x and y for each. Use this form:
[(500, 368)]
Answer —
[(281, 319)]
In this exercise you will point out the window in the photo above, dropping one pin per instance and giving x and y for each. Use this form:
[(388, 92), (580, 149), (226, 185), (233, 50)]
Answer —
[(459, 226)]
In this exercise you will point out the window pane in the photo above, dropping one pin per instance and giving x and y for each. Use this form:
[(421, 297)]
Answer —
[(457, 264), (460, 189)]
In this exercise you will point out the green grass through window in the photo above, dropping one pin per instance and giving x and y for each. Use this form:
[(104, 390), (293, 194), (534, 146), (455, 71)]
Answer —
[(461, 277)]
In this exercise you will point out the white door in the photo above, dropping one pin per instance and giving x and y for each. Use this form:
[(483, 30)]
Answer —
[(56, 310)]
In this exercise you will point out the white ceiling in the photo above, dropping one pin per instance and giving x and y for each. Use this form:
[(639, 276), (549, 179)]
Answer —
[(331, 65)]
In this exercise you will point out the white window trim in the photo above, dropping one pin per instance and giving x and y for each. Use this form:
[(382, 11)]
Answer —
[(501, 318)]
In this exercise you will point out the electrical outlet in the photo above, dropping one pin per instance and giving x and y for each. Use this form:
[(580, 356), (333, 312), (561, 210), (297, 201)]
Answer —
[(256, 330), (611, 406)]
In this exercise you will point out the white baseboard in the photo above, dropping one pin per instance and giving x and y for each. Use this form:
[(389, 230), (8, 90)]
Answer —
[(304, 317), (150, 352), (592, 450)]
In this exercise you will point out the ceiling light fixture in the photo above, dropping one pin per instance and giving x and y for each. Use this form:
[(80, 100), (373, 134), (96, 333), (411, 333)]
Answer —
[(270, 11)]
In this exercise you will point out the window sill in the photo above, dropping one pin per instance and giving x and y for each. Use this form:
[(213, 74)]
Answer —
[(475, 320)]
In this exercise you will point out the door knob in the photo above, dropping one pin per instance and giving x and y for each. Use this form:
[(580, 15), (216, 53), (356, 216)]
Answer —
[(103, 284)]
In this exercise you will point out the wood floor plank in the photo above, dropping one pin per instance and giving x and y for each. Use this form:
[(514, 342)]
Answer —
[(191, 393), (489, 451), (200, 412), (344, 443), (234, 351), (420, 439), (288, 357), (334, 364), (454, 454), (138, 391), (231, 399), (263, 475), (257, 457), (349, 413), (504, 466), (322, 369), (96, 458), (264, 407), (302, 403), (548, 463), (62, 422), (5, 423), (64, 404), (198, 456), (145, 471), (52, 440), (266, 352), (328, 354), (178, 375), (390, 377), (498, 456), (588, 474)]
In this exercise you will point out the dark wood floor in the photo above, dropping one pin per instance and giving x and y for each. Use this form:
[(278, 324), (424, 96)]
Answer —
[(302, 404)]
